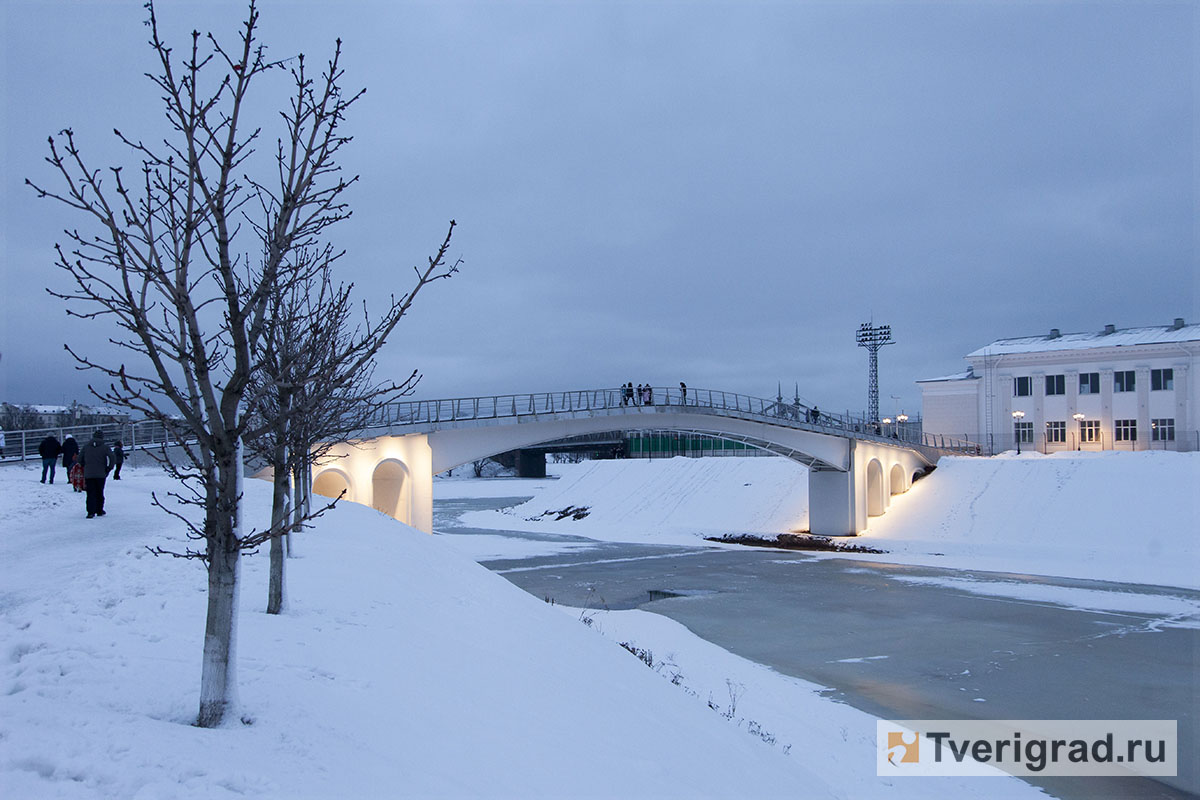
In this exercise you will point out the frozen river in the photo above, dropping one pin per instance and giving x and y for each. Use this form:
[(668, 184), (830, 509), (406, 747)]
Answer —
[(900, 642)]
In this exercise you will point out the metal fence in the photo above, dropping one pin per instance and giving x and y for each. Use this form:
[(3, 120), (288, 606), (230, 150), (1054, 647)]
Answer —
[(23, 445), (729, 404)]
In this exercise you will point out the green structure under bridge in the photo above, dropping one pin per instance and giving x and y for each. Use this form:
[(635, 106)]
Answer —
[(642, 444), (668, 444)]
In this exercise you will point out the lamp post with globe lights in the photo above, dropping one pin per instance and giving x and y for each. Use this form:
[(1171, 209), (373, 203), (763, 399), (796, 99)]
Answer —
[(1017, 417)]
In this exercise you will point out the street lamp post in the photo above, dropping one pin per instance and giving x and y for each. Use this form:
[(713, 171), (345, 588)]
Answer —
[(900, 420), (1017, 417), (1079, 418)]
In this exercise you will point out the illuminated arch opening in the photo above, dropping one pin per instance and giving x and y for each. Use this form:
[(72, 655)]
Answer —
[(898, 483), (875, 496), (391, 489), (331, 483)]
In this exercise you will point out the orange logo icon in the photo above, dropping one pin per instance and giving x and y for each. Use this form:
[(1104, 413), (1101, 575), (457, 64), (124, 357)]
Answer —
[(903, 747)]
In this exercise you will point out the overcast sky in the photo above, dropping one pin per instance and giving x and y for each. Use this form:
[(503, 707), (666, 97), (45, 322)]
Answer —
[(718, 193)]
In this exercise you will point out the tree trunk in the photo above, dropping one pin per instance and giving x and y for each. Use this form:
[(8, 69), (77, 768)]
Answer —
[(280, 520), (223, 520), (297, 505), (218, 677)]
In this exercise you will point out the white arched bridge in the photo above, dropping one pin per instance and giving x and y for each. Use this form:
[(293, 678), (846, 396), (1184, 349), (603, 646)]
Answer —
[(855, 466)]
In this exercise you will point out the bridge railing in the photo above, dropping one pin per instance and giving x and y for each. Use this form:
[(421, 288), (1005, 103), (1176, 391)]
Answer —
[(777, 411), (23, 445)]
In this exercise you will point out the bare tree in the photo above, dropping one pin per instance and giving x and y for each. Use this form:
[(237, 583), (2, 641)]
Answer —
[(19, 418), (169, 263), (318, 383)]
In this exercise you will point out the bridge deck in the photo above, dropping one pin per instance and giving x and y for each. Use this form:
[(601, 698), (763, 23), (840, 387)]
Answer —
[(430, 415)]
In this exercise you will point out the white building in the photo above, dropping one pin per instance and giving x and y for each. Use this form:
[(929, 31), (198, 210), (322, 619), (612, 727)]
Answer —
[(1129, 388)]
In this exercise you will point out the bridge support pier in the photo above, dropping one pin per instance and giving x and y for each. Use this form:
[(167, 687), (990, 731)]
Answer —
[(837, 499), (531, 463), (835, 506)]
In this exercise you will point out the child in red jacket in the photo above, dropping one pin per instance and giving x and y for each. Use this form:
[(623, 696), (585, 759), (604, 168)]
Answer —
[(76, 475)]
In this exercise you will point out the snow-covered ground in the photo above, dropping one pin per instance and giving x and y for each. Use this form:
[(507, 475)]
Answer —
[(401, 669), (675, 500), (1128, 517)]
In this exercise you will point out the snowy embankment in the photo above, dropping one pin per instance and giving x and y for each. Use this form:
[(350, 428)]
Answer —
[(1129, 517), (677, 500), (401, 669)]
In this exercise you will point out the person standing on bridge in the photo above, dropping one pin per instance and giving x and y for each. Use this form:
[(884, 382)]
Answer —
[(682, 393), (816, 415), (648, 395), (640, 397)]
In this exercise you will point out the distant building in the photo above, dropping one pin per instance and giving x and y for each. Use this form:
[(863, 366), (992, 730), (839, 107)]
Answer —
[(33, 416), (1125, 389)]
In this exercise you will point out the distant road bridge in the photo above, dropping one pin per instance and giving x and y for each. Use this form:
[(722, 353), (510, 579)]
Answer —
[(855, 466)]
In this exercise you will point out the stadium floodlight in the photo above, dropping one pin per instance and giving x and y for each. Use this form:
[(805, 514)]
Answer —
[(873, 337)]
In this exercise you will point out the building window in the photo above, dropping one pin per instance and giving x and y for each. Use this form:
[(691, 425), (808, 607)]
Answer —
[(1125, 430), (1162, 430), (1023, 432), (1089, 383), (1056, 384), (1022, 387), (1123, 381), (1056, 432), (1162, 379), (1089, 430)]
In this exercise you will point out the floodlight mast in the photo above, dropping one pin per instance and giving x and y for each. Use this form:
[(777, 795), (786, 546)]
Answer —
[(873, 337)]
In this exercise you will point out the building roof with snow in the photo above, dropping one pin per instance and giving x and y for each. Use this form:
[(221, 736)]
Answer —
[(1109, 337), (967, 374)]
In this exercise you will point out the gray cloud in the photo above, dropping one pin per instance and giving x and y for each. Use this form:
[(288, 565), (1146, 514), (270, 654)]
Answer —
[(718, 193)]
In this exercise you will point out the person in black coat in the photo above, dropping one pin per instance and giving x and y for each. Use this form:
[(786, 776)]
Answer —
[(49, 450), (118, 459), (97, 461), (70, 449)]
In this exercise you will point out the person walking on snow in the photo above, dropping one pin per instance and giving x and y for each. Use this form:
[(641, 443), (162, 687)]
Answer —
[(70, 449), (96, 460), (118, 460), (49, 450)]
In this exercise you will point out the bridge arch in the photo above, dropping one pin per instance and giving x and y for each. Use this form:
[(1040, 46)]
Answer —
[(461, 444), (876, 496), (331, 482), (853, 470), (391, 488)]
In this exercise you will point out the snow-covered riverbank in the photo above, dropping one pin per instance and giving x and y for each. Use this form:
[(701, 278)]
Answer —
[(402, 669), (1128, 517)]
